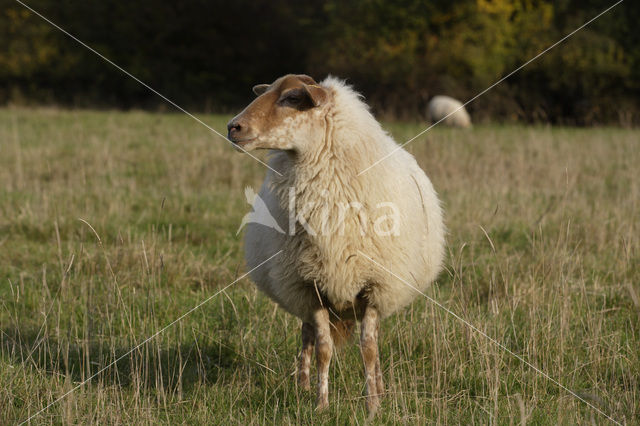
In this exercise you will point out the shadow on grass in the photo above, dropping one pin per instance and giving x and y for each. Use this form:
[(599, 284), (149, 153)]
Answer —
[(150, 366)]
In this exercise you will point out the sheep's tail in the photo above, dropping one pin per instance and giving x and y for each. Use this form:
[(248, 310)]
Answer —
[(341, 331)]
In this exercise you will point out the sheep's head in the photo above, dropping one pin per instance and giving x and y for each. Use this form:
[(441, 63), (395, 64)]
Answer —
[(285, 115)]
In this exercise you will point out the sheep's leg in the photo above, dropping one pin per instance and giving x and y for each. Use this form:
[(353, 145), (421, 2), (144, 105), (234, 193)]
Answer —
[(304, 360), (379, 377), (324, 350), (369, 349)]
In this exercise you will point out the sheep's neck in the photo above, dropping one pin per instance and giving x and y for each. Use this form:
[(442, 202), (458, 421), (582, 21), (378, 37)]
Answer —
[(324, 183)]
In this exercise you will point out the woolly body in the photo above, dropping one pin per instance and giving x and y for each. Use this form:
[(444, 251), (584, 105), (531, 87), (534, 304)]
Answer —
[(327, 267)]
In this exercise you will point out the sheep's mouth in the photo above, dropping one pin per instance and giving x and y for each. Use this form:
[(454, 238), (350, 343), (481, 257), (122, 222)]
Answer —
[(241, 143)]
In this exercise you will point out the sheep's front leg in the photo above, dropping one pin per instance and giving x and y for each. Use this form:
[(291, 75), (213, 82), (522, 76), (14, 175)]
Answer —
[(304, 361), (324, 350), (379, 377), (370, 358)]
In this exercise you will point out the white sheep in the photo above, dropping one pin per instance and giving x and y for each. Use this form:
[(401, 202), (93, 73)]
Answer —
[(444, 106), (336, 220)]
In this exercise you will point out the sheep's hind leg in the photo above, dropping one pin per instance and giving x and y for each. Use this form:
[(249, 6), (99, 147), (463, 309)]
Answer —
[(324, 350), (370, 358), (304, 360)]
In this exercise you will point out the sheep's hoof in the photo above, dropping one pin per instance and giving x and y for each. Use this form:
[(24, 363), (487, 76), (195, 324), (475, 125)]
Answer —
[(373, 402), (322, 405), (304, 382)]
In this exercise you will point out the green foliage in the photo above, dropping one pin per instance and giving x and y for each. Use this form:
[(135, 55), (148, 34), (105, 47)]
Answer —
[(207, 54)]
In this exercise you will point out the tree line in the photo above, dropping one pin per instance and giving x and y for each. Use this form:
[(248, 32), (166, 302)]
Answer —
[(206, 55)]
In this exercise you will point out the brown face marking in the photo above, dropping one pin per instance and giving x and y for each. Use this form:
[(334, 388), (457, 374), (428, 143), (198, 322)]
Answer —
[(274, 115)]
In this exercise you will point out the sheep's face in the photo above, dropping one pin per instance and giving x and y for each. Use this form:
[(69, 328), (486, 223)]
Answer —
[(286, 115)]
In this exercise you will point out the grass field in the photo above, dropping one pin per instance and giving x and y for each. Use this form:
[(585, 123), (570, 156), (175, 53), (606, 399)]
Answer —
[(544, 255)]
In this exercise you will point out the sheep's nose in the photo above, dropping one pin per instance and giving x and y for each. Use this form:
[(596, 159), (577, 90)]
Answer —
[(235, 129)]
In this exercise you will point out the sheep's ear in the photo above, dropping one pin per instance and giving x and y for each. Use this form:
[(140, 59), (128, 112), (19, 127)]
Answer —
[(317, 94), (259, 89), (306, 79)]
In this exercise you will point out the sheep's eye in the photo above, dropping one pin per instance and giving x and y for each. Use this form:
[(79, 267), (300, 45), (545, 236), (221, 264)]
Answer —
[(293, 98), (297, 99)]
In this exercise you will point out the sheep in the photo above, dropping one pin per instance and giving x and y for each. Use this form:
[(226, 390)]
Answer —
[(320, 137), (441, 106)]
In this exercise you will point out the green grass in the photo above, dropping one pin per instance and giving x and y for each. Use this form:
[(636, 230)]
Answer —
[(553, 279)]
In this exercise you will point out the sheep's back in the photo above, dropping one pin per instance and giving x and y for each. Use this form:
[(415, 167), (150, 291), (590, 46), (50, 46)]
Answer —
[(441, 106)]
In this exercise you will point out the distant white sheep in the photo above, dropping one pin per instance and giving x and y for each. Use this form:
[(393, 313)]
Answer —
[(322, 136), (444, 106)]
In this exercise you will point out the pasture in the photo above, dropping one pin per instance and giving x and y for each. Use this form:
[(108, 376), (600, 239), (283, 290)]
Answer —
[(114, 224)]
